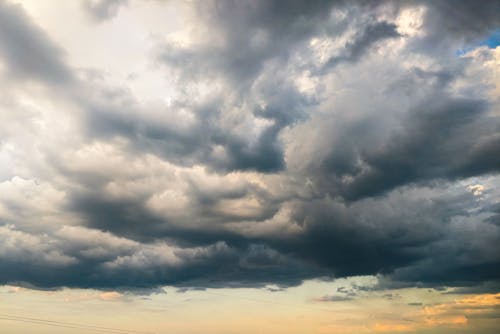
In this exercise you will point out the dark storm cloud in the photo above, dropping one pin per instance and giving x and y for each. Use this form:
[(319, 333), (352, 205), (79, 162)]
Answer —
[(483, 287), (362, 239), (495, 218), (444, 263), (123, 218), (181, 146), (466, 20), (409, 237), (132, 219), (442, 138), (95, 259), (390, 235), (379, 195), (27, 51), (416, 241)]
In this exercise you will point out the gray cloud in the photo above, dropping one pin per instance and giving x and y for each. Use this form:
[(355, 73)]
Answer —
[(198, 142), (27, 51), (101, 10), (418, 149), (334, 298), (362, 42), (256, 32), (468, 21), (260, 170), (411, 237), (101, 260)]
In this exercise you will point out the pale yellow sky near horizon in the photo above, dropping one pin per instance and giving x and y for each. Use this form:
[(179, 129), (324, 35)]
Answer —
[(244, 310)]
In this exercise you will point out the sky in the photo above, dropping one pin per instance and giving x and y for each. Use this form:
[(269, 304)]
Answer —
[(250, 166)]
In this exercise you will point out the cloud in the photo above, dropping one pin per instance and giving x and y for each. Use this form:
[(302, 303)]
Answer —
[(461, 19), (431, 134), (89, 258), (26, 50), (458, 312), (333, 299), (101, 10), (312, 140), (362, 42)]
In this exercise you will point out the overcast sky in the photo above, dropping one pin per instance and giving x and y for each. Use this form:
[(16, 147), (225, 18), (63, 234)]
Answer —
[(339, 159)]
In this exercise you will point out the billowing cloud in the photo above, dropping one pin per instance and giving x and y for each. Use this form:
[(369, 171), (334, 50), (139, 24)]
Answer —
[(277, 143)]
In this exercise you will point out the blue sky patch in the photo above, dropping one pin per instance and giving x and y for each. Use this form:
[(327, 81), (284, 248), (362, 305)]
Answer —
[(491, 42)]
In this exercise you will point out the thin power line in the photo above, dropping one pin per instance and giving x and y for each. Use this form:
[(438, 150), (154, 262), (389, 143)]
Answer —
[(63, 324), (58, 325)]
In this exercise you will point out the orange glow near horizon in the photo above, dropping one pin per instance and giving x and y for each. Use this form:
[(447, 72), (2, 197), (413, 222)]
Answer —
[(221, 311)]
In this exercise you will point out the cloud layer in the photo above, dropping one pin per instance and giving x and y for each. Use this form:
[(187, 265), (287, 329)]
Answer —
[(260, 144)]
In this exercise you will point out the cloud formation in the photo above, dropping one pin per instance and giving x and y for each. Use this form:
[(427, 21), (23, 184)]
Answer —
[(278, 143), (27, 52)]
